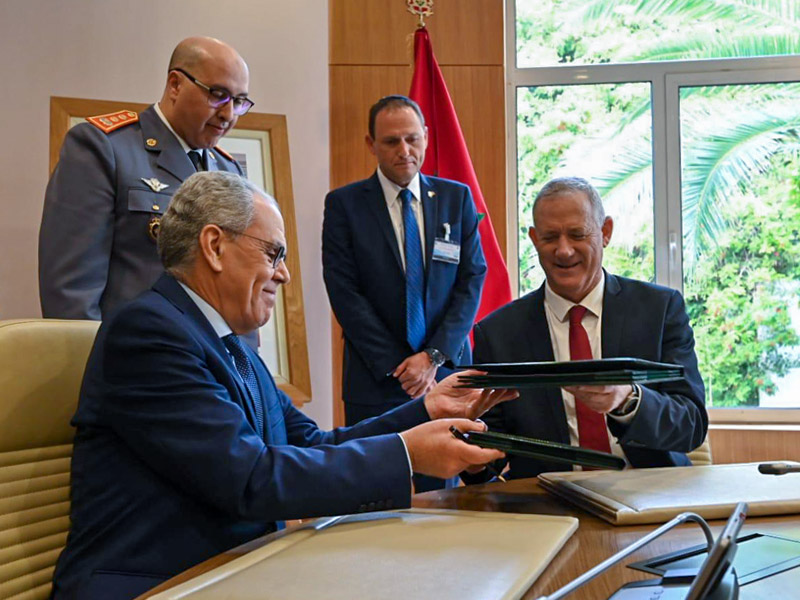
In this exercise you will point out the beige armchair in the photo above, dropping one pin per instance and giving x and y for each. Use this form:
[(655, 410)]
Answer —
[(41, 367), (701, 456)]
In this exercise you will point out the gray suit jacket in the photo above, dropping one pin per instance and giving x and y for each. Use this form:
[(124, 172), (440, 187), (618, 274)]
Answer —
[(95, 249)]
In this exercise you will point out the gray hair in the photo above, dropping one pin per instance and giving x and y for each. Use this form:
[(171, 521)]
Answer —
[(207, 197), (559, 185)]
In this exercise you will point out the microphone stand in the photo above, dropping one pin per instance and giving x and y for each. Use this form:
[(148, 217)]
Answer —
[(603, 566)]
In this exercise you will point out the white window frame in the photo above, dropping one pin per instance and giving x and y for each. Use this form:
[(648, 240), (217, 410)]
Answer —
[(665, 79)]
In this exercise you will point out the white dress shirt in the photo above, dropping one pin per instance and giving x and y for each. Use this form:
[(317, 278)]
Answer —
[(557, 310), (395, 206)]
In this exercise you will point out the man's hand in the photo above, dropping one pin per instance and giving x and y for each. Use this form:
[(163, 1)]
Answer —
[(436, 452), (446, 401), (600, 398), (416, 374)]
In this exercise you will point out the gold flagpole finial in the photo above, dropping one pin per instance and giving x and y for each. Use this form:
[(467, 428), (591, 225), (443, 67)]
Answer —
[(421, 8)]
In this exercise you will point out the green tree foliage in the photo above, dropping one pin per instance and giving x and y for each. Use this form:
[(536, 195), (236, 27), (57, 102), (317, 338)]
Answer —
[(743, 290), (740, 165)]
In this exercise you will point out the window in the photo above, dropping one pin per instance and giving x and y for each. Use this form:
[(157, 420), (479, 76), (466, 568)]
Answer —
[(686, 116)]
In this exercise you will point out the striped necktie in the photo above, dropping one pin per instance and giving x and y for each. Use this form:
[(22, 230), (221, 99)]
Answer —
[(415, 275)]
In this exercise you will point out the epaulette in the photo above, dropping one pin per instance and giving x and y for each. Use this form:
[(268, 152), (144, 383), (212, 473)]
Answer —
[(225, 154), (111, 121)]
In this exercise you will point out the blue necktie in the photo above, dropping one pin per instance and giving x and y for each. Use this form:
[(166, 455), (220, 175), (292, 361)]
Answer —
[(415, 275), (275, 432)]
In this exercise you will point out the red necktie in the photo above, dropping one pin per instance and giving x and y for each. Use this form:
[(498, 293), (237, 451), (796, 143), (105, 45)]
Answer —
[(592, 431)]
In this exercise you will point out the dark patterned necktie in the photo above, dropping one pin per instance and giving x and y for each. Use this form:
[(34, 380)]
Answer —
[(592, 431), (415, 275), (197, 160), (248, 375)]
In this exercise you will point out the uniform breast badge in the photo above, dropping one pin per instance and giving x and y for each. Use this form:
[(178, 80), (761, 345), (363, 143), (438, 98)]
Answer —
[(153, 226), (154, 184)]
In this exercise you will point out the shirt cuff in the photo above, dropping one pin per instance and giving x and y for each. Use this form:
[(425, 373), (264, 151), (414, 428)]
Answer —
[(408, 457)]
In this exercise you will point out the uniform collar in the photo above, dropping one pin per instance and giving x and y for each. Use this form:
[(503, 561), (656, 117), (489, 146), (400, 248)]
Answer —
[(181, 141)]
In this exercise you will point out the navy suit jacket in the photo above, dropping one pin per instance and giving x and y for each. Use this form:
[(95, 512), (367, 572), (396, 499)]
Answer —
[(95, 249), (366, 282), (167, 470), (640, 320)]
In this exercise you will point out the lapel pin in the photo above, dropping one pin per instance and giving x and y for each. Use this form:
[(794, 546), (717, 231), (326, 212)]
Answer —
[(155, 184), (151, 142), (431, 193)]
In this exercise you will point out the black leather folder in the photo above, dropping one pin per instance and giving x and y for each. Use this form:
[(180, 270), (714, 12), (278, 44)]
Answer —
[(544, 450), (606, 371)]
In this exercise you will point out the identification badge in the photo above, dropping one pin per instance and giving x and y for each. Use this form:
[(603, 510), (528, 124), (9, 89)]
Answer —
[(446, 251)]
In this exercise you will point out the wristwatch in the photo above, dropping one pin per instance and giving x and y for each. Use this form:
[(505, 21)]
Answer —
[(436, 356), (629, 404)]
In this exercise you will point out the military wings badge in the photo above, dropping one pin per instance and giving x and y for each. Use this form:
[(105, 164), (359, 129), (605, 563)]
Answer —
[(154, 184)]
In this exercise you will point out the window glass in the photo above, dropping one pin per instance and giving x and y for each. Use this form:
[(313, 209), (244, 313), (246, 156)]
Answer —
[(583, 32), (600, 132), (740, 198)]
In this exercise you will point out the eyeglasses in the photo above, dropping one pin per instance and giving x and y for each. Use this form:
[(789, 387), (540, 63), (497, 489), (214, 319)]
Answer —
[(275, 253), (219, 96)]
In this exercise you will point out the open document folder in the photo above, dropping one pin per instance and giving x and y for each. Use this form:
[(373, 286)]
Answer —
[(605, 371)]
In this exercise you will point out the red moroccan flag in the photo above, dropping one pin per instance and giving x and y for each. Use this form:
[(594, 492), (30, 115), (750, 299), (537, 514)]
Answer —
[(448, 157)]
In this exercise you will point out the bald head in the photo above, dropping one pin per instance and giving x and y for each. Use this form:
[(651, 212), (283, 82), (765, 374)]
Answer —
[(198, 63), (194, 51)]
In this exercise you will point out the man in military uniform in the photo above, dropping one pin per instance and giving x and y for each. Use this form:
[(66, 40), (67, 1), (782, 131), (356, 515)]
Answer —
[(117, 173)]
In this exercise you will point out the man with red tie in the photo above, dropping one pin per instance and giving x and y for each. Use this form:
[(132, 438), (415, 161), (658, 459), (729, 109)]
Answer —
[(584, 312)]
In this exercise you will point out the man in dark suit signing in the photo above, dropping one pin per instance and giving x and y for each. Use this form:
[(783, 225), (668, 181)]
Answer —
[(186, 448), (583, 312), (403, 267)]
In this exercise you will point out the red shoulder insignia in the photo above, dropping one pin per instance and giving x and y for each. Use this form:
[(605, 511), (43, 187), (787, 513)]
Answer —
[(111, 121), (225, 154)]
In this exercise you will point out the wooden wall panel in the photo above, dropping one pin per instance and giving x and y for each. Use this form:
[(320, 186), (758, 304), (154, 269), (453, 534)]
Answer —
[(482, 119), (380, 32), (371, 55), (737, 445), (353, 90)]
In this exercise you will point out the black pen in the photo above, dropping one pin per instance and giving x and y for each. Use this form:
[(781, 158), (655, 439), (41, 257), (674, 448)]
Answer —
[(460, 435)]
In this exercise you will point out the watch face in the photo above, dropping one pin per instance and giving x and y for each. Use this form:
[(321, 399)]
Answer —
[(437, 358)]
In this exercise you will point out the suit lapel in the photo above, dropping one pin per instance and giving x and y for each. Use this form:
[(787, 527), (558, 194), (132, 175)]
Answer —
[(540, 346), (613, 317), (168, 286), (171, 156), (374, 198), (431, 216)]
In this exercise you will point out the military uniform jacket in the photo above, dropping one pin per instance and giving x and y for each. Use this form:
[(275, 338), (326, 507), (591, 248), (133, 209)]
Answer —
[(104, 198)]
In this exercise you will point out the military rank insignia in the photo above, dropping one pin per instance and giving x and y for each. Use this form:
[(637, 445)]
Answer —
[(112, 121)]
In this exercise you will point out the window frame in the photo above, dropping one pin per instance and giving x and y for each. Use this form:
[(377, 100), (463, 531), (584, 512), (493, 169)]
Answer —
[(665, 79)]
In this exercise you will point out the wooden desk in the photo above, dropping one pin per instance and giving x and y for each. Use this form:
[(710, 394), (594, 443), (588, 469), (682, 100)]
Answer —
[(594, 541)]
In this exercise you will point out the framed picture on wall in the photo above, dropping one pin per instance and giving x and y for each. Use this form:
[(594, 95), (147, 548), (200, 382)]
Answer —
[(260, 143)]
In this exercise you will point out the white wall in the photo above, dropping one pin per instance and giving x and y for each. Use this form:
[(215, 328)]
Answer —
[(118, 50)]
